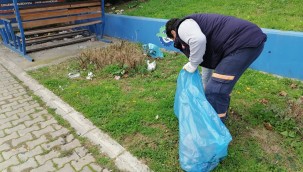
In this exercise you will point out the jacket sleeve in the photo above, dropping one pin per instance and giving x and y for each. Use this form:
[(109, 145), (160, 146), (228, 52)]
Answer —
[(190, 32)]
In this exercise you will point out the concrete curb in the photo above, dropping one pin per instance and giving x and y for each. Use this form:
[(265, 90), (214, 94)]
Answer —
[(122, 158)]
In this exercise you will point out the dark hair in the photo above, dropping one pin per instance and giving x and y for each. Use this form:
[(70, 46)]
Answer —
[(171, 25)]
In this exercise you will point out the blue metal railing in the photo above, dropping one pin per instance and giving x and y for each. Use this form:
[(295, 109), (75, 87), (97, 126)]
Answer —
[(18, 42)]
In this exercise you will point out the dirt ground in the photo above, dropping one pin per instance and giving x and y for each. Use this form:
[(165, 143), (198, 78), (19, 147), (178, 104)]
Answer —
[(50, 56)]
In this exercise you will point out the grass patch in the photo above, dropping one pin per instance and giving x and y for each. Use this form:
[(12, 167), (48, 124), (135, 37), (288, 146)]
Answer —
[(272, 14), (137, 111)]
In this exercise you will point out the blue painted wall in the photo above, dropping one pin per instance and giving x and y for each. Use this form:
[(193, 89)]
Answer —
[(282, 55)]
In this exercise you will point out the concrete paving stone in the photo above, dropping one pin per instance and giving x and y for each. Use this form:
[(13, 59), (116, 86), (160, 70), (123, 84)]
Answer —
[(34, 121), (106, 170), (2, 111), (32, 144), (19, 94), (22, 139), (30, 154), (21, 120), (79, 164), (15, 111), (9, 81), (1, 158), (57, 142), (16, 99), (2, 116), (26, 113), (63, 160), (57, 126), (60, 132), (25, 98), (38, 114), (47, 117), (12, 161), (30, 163), (86, 169), (71, 145), (14, 86), (32, 106), (69, 138), (13, 91), (95, 167), (20, 105), (81, 151), (43, 158), (66, 168), (8, 94), (8, 119), (34, 127), (48, 123), (47, 167), (2, 102), (12, 152), (9, 105), (2, 134), (39, 133), (8, 137), (39, 108), (6, 125), (15, 128), (4, 147), (5, 98)]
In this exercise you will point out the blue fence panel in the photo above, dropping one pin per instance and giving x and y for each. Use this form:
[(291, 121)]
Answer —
[(282, 54)]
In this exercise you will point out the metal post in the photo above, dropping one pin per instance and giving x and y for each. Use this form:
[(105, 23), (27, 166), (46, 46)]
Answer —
[(19, 21)]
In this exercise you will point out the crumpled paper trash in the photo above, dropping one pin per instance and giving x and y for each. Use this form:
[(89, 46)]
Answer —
[(74, 75), (90, 76), (151, 66)]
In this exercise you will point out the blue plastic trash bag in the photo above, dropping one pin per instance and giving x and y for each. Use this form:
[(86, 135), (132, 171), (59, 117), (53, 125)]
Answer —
[(203, 137), (152, 50)]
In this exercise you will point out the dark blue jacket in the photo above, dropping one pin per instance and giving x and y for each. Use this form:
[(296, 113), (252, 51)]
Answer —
[(224, 34)]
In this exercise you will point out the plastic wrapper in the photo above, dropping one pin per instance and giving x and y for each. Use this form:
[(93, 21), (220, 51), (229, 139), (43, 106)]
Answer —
[(203, 138), (152, 50)]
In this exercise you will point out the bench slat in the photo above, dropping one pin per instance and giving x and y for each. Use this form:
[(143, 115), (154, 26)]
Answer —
[(39, 31), (58, 44), (54, 37), (14, 25), (46, 36), (7, 16), (59, 6), (38, 23), (6, 11), (57, 13)]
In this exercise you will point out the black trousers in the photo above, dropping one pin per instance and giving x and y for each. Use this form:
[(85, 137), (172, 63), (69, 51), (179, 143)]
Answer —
[(226, 74)]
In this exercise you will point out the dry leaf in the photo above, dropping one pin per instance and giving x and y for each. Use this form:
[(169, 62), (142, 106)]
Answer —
[(268, 126), (283, 93), (293, 86), (264, 101)]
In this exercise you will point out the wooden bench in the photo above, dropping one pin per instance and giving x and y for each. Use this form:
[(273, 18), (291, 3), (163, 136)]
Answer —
[(48, 25)]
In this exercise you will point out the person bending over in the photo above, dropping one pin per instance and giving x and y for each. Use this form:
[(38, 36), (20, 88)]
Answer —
[(225, 44)]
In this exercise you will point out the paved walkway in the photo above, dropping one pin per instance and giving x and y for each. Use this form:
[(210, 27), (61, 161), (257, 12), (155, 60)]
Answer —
[(31, 139)]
